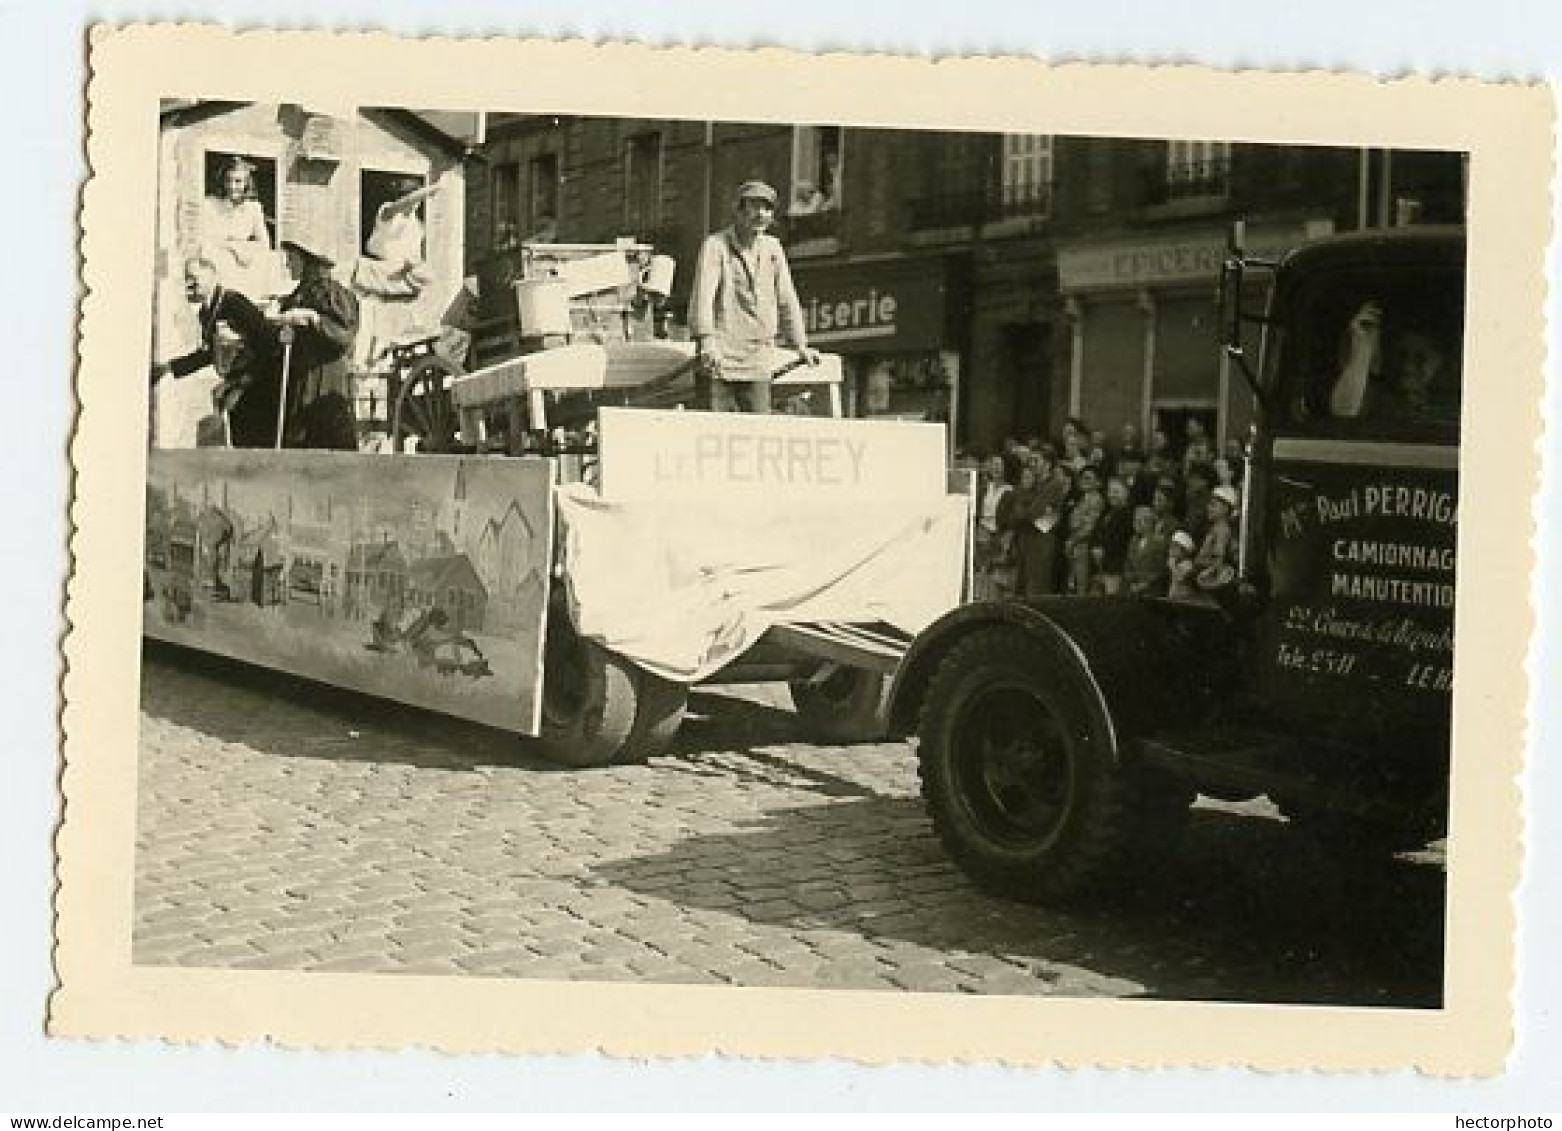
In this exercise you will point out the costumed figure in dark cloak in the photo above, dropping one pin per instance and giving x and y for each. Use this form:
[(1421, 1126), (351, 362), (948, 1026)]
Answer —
[(322, 316)]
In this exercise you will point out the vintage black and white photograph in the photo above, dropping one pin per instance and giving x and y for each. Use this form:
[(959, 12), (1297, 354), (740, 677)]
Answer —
[(732, 552)]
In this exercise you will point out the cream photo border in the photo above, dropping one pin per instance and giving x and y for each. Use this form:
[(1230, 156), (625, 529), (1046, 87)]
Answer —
[(1506, 129)]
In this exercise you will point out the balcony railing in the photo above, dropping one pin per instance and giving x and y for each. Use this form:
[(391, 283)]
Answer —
[(973, 207)]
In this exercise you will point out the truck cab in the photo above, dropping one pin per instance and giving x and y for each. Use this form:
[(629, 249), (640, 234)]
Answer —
[(1354, 506), (1061, 737)]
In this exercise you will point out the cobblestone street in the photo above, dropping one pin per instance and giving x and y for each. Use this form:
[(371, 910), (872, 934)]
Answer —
[(286, 826)]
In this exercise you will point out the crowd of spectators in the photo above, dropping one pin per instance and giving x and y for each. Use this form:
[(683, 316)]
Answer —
[(1091, 515)]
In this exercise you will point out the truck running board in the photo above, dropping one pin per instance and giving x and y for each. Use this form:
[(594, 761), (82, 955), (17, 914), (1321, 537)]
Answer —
[(877, 647), (1244, 762)]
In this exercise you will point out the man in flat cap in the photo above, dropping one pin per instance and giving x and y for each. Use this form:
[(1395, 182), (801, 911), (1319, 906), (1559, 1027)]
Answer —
[(743, 303), (322, 317)]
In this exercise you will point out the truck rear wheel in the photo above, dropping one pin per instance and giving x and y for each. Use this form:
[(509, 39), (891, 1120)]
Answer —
[(599, 709), (844, 706), (1018, 768), (588, 701), (658, 715)]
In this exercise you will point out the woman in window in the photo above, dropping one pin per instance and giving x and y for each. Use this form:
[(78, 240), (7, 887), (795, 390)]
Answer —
[(233, 223), (393, 264)]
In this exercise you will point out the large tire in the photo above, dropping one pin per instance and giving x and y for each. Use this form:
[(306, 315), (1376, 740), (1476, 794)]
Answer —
[(846, 706), (599, 709), (658, 715), (589, 700), (1018, 768)]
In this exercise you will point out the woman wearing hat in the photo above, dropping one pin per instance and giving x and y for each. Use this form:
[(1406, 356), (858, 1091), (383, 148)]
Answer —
[(323, 318), (1215, 563)]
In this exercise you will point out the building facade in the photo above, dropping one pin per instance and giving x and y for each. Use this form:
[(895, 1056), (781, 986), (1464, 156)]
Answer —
[(1141, 229), (1000, 282)]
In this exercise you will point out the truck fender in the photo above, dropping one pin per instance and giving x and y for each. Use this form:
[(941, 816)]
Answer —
[(1142, 658)]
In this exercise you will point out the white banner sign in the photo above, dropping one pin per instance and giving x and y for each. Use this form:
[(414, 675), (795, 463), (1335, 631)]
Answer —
[(652, 454)]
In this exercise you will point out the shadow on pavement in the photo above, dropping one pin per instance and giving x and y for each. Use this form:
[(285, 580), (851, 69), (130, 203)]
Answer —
[(735, 739), (1240, 911)]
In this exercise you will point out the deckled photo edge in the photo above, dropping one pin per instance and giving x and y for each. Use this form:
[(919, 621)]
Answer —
[(103, 995)]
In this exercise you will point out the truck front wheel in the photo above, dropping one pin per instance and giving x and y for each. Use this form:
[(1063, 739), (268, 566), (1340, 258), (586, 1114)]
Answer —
[(1018, 769)]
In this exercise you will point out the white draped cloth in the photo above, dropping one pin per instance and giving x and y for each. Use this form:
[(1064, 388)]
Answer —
[(682, 589)]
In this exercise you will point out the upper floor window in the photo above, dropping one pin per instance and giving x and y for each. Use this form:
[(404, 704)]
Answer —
[(1197, 168), (542, 212), (1026, 180), (1098, 174), (393, 243), (506, 222), (241, 198), (643, 183), (816, 169)]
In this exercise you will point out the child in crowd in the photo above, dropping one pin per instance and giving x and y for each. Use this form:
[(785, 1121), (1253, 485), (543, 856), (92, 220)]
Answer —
[(1082, 523), (1109, 544), (1130, 469), (1164, 502), (1074, 452), (991, 542), (1228, 474), (1179, 568), (1196, 487), (1128, 441), (1145, 570), (1197, 453), (1215, 563)]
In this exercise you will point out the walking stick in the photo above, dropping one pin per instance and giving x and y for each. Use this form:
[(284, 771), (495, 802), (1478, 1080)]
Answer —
[(287, 363)]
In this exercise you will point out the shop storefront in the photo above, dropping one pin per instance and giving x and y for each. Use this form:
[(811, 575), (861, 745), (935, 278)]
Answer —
[(890, 320), (1144, 329)]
